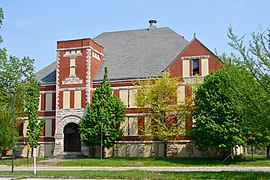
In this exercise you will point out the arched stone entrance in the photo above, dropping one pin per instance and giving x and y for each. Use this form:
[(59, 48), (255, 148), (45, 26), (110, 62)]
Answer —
[(72, 141)]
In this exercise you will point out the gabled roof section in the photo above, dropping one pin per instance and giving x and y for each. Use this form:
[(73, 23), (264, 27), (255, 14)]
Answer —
[(138, 53), (47, 75), (194, 51), (197, 40)]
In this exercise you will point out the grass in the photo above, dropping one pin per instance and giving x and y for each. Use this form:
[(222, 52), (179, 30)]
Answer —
[(158, 162), (139, 175), (139, 162), (20, 161), (151, 162)]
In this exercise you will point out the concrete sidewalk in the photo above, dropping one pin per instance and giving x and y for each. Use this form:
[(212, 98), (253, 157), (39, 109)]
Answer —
[(49, 165)]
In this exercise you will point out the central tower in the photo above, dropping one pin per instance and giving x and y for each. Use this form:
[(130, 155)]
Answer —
[(77, 63)]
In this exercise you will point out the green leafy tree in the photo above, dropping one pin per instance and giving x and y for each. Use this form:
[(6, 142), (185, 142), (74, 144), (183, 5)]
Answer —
[(14, 76), (217, 124), (5, 129), (255, 82), (249, 100), (158, 99), (252, 84), (101, 124), (165, 117), (31, 99)]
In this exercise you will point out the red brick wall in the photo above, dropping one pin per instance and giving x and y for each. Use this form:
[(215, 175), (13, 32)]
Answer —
[(48, 88), (43, 102), (195, 48), (81, 66), (71, 103)]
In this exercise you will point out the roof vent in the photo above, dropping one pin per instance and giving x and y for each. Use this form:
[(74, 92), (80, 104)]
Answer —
[(152, 24)]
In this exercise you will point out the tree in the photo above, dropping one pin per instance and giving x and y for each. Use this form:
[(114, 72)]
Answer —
[(31, 99), (250, 103), (31, 104), (255, 60), (5, 129), (157, 98), (14, 76), (216, 123), (101, 124), (252, 84)]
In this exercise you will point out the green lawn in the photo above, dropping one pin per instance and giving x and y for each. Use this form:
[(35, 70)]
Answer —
[(139, 162), (141, 175), (180, 162), (173, 162)]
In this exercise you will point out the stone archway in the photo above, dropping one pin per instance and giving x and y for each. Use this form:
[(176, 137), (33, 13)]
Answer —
[(72, 141), (59, 132)]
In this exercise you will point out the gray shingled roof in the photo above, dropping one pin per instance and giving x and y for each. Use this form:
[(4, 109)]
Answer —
[(47, 75), (138, 53), (131, 54)]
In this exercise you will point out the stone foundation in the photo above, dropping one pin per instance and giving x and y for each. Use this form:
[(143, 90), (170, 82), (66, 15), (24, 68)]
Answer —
[(43, 150), (182, 148)]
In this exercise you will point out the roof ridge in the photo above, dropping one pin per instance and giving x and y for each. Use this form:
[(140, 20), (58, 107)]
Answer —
[(130, 30)]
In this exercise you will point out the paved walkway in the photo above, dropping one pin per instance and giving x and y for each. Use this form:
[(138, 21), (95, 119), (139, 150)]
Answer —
[(49, 162)]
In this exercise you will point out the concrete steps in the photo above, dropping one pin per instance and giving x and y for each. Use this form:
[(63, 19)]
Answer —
[(70, 155)]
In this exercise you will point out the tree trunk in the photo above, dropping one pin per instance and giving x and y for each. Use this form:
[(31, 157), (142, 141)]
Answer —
[(91, 151), (224, 153), (103, 152), (268, 151)]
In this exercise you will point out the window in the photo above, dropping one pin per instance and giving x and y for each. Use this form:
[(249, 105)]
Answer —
[(186, 68), (181, 94), (72, 67), (48, 128), (147, 126), (39, 105), (66, 100), (127, 96), (195, 67), (130, 126), (48, 106), (77, 99), (123, 95), (205, 67)]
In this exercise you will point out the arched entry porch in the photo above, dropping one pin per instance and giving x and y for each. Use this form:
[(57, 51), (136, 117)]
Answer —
[(72, 140)]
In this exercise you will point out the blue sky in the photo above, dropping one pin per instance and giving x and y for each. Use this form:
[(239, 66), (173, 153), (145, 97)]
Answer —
[(32, 28)]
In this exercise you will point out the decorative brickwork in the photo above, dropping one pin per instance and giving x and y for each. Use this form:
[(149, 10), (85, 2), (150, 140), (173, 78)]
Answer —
[(88, 75), (72, 80)]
